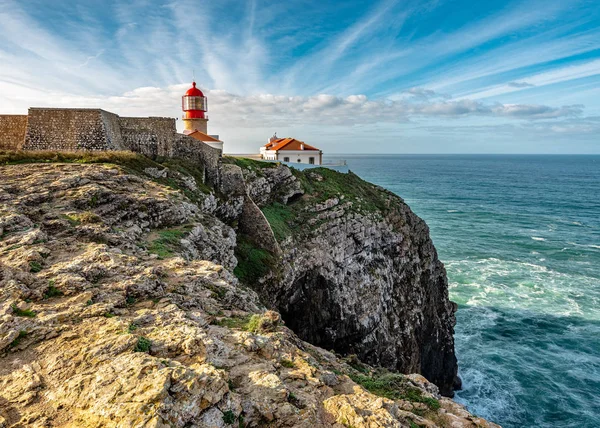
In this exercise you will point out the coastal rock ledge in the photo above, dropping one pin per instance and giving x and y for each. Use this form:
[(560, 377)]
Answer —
[(132, 294)]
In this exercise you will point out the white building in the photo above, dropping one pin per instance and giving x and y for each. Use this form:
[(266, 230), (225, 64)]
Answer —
[(291, 150)]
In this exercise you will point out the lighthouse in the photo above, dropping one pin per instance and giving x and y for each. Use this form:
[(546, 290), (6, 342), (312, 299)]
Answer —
[(195, 119)]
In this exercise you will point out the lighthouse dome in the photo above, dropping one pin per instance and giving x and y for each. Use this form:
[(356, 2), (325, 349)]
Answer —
[(193, 91)]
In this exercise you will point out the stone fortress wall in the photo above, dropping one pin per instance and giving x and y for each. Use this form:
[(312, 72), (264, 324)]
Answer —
[(12, 131), (96, 129)]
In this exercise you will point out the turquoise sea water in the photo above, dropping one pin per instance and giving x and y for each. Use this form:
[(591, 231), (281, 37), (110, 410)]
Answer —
[(520, 238)]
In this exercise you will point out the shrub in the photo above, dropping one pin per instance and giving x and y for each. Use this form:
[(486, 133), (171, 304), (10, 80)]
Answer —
[(132, 327), (228, 417), (287, 363), (253, 325), (23, 312), (35, 267), (143, 345), (52, 291)]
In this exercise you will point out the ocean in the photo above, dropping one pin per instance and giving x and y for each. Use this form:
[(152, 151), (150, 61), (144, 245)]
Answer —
[(520, 238)]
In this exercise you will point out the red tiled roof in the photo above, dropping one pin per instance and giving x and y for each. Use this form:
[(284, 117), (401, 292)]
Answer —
[(201, 136), (288, 144)]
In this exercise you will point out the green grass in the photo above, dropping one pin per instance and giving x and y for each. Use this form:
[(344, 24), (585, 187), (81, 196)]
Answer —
[(143, 345), (168, 242), (253, 263), (320, 185), (23, 312), (233, 322), (72, 219), (250, 164), (280, 218), (52, 291), (287, 363), (35, 267), (249, 323), (130, 160), (395, 387)]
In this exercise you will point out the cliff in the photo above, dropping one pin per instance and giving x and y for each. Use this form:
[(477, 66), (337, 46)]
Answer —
[(132, 294), (359, 272)]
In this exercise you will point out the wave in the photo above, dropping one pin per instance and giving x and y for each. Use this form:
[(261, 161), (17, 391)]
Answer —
[(522, 285), (536, 238), (575, 244), (452, 211)]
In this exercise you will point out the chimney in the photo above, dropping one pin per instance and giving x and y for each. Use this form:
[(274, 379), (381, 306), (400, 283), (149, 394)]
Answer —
[(302, 146)]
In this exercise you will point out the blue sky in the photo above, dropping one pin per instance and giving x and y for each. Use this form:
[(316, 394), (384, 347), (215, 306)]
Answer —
[(386, 76)]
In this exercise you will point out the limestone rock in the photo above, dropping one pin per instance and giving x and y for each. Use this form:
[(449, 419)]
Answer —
[(118, 308)]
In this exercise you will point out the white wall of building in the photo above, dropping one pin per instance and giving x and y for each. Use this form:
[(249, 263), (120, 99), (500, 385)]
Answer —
[(293, 156), (215, 144)]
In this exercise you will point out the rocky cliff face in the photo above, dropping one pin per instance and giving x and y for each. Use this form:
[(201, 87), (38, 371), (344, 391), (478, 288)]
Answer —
[(119, 306), (359, 274)]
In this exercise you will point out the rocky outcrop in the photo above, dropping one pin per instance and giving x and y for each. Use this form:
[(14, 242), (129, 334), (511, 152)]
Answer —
[(359, 272), (118, 308)]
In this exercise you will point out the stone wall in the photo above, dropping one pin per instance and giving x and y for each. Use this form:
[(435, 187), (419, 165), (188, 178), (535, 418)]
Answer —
[(188, 148), (162, 127), (65, 129), (95, 129), (12, 131), (112, 127), (178, 146)]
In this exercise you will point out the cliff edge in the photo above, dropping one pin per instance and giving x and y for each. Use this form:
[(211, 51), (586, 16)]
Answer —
[(358, 273), (132, 294)]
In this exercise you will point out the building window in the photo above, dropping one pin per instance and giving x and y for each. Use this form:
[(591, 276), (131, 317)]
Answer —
[(299, 161), (311, 161), (286, 159)]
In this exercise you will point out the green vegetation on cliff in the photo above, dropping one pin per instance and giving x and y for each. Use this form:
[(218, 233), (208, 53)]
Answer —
[(321, 188), (133, 163), (253, 263), (393, 386)]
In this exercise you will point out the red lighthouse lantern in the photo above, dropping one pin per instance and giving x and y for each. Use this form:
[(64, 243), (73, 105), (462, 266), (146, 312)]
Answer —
[(194, 106), (194, 103)]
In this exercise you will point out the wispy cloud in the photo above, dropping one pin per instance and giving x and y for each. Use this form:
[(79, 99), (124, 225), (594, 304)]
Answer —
[(303, 62), (520, 85)]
